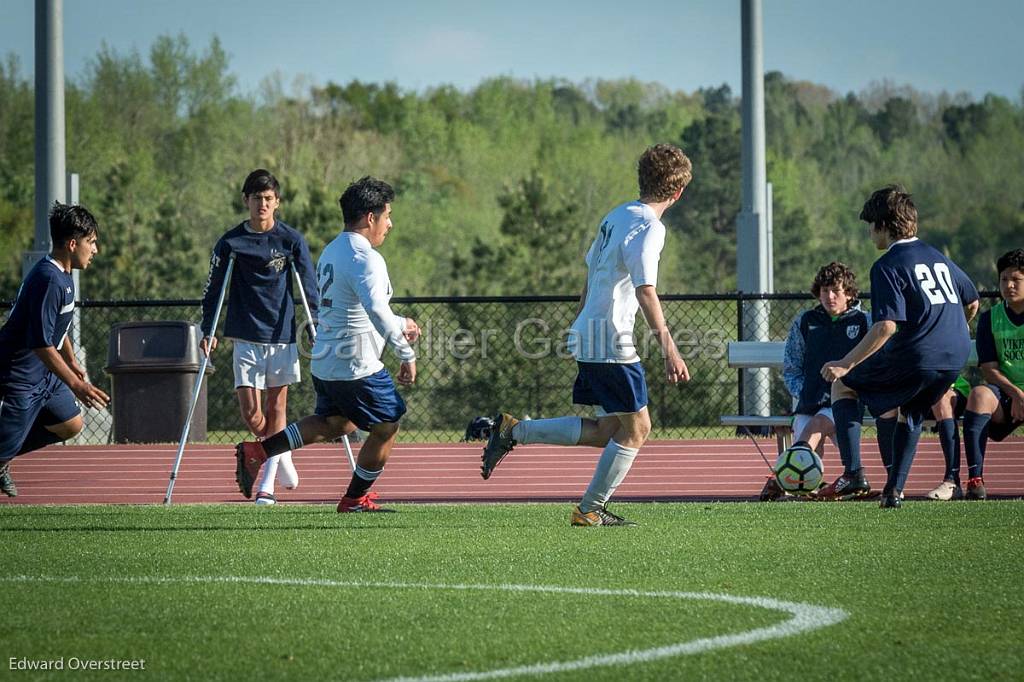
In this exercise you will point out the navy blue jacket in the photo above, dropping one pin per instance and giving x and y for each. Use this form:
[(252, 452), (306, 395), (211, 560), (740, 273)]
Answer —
[(816, 338), (260, 303)]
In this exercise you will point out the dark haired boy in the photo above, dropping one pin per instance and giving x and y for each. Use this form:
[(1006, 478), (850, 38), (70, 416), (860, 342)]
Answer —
[(995, 409), (826, 332), (352, 387), (622, 274), (39, 375), (261, 315), (921, 302)]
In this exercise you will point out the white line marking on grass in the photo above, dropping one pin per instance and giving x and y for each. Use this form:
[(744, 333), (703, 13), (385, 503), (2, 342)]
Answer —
[(805, 617)]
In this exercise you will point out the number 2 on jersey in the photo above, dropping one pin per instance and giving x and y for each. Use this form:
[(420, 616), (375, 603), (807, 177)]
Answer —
[(325, 277), (937, 287)]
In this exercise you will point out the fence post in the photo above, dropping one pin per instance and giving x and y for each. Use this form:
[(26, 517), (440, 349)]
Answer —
[(740, 402)]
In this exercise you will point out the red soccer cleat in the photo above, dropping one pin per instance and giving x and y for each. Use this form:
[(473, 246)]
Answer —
[(249, 457), (361, 504)]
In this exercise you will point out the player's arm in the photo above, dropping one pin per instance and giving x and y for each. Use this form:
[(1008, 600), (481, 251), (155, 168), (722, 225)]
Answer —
[(650, 304), (872, 342), (371, 285), (793, 359), (970, 310), (211, 294), (67, 351), (89, 395)]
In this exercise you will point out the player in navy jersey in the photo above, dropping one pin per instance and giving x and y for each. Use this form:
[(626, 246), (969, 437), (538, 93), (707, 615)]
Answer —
[(353, 389), (39, 375), (261, 315), (921, 303)]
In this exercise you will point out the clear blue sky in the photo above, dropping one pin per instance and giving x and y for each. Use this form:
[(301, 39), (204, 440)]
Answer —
[(933, 45)]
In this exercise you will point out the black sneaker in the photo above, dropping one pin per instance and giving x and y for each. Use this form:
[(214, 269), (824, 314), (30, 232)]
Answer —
[(846, 487), (7, 486), (771, 491), (891, 499), (499, 444), (479, 429), (598, 517)]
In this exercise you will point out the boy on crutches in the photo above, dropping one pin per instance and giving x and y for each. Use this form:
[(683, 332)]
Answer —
[(261, 316)]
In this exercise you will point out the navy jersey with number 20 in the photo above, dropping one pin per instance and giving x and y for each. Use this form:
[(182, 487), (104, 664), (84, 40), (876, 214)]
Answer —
[(923, 292)]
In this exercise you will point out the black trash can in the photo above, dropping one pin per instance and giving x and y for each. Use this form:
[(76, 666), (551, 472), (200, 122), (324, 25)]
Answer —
[(153, 368)]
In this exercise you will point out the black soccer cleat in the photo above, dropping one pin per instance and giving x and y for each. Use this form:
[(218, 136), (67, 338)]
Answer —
[(598, 517), (499, 444), (846, 487), (891, 499), (478, 429), (7, 486), (249, 457)]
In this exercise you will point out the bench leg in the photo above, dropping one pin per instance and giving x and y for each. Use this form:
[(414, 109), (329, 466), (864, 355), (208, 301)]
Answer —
[(782, 437)]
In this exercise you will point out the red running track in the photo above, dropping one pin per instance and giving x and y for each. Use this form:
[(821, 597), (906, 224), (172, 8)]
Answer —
[(664, 470)]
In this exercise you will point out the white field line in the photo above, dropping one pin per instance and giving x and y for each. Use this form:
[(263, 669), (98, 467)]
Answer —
[(805, 617)]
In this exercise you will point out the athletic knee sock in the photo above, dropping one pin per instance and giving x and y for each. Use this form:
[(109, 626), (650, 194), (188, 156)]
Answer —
[(362, 479), (848, 415), (283, 441), (267, 475), (904, 448), (886, 428), (556, 431), (38, 437), (612, 467), (949, 438), (975, 435)]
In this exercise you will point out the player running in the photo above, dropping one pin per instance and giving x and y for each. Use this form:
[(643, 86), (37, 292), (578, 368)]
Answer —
[(622, 273), (352, 387), (39, 375)]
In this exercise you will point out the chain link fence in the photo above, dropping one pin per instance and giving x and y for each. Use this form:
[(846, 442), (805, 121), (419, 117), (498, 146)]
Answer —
[(482, 355)]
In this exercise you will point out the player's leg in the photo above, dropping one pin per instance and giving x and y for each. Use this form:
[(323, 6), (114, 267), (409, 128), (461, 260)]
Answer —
[(848, 415), (275, 417), (983, 408), (814, 429), (944, 413), (613, 465), (373, 455), (29, 423), (282, 371), (249, 361)]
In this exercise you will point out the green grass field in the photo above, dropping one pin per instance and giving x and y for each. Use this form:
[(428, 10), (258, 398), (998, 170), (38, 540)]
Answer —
[(932, 591)]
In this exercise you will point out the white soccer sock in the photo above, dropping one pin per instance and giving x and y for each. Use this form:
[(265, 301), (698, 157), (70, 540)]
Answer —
[(286, 472), (267, 474), (611, 469), (556, 431)]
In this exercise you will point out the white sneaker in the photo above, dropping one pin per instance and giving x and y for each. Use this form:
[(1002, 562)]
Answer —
[(286, 472), (947, 490), (265, 499)]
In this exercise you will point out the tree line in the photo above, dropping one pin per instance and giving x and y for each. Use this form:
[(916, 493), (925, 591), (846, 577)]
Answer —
[(501, 187)]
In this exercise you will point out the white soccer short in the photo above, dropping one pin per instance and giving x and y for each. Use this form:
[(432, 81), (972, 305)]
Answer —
[(802, 420), (265, 365)]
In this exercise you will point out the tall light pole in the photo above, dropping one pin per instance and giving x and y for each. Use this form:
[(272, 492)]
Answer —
[(49, 133), (752, 254)]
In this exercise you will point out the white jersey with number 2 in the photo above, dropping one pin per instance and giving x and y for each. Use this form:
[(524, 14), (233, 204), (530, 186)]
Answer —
[(624, 256), (355, 312)]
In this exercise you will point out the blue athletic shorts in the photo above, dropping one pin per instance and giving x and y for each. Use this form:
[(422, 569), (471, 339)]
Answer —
[(998, 432), (364, 402), (616, 388), (49, 404), (883, 386)]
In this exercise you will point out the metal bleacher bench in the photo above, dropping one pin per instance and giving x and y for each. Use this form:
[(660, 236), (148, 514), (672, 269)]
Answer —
[(769, 354)]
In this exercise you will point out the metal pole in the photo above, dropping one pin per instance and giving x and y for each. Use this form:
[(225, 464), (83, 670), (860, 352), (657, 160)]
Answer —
[(312, 334), (199, 381), (752, 238), (49, 132)]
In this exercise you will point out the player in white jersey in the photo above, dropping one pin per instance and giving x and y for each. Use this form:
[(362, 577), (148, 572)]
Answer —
[(353, 390), (622, 275)]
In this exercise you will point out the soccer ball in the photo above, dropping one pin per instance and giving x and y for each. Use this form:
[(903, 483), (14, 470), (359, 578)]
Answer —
[(799, 470)]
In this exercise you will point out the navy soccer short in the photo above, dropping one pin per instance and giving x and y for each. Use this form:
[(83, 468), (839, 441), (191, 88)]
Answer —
[(364, 402), (998, 432), (883, 386), (616, 388), (50, 404)]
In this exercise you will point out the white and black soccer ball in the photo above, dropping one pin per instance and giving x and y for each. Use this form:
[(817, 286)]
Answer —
[(799, 470)]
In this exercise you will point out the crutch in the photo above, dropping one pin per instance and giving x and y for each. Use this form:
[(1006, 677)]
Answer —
[(199, 380), (312, 334)]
